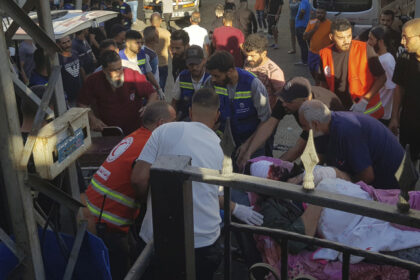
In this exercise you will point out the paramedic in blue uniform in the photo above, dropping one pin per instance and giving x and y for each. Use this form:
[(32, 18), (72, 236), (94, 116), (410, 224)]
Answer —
[(189, 81), (243, 99)]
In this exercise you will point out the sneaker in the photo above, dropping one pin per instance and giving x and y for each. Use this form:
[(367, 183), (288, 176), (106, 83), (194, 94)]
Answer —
[(291, 51), (274, 46), (300, 63), (265, 30)]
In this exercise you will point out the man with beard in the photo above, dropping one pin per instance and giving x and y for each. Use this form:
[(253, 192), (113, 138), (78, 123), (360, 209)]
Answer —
[(352, 70), (406, 108), (189, 81), (357, 144), (243, 97), (380, 38), (317, 33), (116, 95), (180, 41), (257, 62), (294, 93), (134, 53), (70, 70)]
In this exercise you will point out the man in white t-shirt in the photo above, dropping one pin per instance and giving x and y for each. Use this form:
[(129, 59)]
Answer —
[(197, 140), (380, 38), (198, 35)]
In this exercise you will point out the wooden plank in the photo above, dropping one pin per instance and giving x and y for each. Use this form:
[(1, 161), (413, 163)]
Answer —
[(27, 7), (33, 30), (20, 199), (68, 273), (26, 93), (285, 190), (11, 245), (141, 264), (39, 117)]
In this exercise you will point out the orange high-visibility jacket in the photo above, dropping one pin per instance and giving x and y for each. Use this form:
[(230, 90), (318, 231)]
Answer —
[(113, 180), (360, 78)]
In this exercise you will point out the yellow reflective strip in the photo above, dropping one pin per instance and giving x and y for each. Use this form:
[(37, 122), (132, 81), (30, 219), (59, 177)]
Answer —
[(242, 97), (141, 61), (373, 109), (113, 219), (114, 195), (243, 92)]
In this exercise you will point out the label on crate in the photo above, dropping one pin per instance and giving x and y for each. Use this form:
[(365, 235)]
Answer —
[(69, 145)]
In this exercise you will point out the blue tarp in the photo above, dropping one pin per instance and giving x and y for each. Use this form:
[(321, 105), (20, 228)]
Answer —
[(93, 261)]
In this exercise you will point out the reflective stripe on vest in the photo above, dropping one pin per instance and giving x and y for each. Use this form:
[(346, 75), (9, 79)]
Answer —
[(242, 94), (111, 194), (186, 85), (221, 91), (141, 61), (106, 216), (374, 109)]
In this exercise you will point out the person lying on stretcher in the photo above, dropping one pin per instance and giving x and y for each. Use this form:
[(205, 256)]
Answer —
[(346, 228)]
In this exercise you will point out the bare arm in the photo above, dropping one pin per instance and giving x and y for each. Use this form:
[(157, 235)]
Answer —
[(367, 175), (258, 139), (95, 123), (152, 80), (376, 86), (308, 35), (295, 152), (310, 219), (140, 176)]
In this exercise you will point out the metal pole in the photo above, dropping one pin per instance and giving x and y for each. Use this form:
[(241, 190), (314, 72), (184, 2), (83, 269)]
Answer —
[(78, 4), (69, 221), (19, 197)]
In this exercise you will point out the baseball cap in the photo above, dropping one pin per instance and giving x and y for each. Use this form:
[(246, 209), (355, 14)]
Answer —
[(194, 55), (297, 87)]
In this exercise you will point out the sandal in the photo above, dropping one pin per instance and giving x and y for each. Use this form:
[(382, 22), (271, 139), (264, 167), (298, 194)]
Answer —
[(291, 51)]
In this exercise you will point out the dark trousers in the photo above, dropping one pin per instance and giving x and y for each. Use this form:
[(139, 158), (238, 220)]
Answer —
[(207, 260), (167, 19), (119, 253), (163, 75), (302, 44)]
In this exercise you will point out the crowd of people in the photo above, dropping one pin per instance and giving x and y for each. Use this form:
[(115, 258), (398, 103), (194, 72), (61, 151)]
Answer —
[(364, 95)]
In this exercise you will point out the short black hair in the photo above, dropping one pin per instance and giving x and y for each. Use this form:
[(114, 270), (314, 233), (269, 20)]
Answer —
[(155, 111), (228, 15), (230, 6), (132, 35), (389, 13), (220, 60), (340, 24), (108, 57), (386, 34), (180, 35), (106, 43), (206, 98), (149, 34), (255, 42), (115, 30)]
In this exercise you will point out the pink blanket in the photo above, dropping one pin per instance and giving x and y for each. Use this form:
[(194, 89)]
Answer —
[(303, 265)]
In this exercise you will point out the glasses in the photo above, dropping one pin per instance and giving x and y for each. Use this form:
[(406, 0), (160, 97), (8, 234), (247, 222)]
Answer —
[(405, 37)]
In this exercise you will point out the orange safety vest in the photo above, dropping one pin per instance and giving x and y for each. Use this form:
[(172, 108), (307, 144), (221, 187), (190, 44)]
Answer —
[(359, 77), (113, 180)]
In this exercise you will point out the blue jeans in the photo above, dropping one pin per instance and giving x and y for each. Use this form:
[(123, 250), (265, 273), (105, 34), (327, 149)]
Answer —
[(261, 19), (163, 75), (302, 44)]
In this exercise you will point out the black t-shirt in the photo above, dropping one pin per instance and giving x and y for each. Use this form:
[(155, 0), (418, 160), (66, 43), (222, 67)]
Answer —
[(407, 75), (341, 60), (273, 6), (70, 73), (318, 93)]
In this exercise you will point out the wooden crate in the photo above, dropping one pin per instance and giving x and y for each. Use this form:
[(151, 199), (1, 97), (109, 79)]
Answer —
[(61, 142)]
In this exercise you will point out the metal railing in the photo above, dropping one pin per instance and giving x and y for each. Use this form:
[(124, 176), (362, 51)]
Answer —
[(171, 193)]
